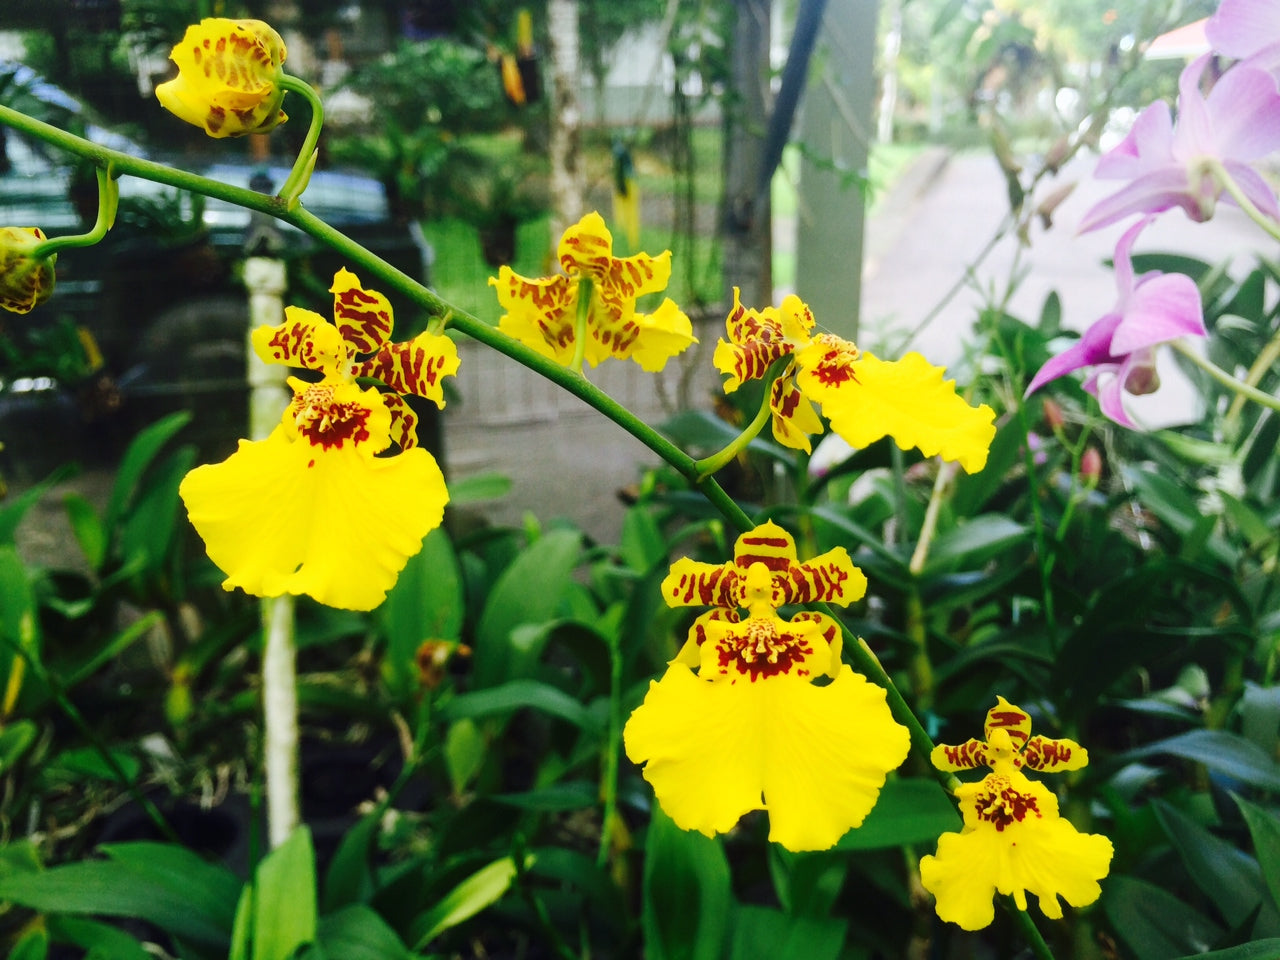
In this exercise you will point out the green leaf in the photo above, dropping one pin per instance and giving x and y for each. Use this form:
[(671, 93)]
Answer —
[(908, 811), (88, 528), (1229, 877), (427, 603), (686, 893), (357, 933), (147, 530), (763, 932), (1268, 949), (15, 739), (973, 491), (482, 889), (349, 879), (516, 695), (465, 748), (529, 591), (15, 508), (975, 542), (18, 626), (162, 884), (101, 939), (577, 795), (1264, 828), (478, 488), (643, 546), (1219, 750), (81, 762), (284, 908), (1153, 923), (144, 448), (1260, 716), (32, 945)]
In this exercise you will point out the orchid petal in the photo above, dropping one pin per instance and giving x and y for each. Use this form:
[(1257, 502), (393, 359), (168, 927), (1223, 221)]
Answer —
[(1151, 192), (1245, 110), (1161, 309), (1094, 347), (1147, 146), (1254, 187), (1240, 28)]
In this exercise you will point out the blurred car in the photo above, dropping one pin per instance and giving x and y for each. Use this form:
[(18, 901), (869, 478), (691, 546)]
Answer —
[(159, 297)]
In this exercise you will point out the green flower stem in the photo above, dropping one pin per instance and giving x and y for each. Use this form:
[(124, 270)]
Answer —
[(1035, 940), (108, 202), (460, 320), (946, 471), (613, 748), (300, 175), (1266, 359), (1224, 179), (585, 290), (1224, 378), (709, 465)]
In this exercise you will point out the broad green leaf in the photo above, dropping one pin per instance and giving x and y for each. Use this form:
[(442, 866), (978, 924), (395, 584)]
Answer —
[(763, 932), (101, 939), (482, 889), (88, 762), (18, 627), (1260, 716), (242, 926), (88, 528), (162, 884), (1219, 750), (349, 879), (643, 545), (1229, 877), (908, 811), (577, 795), (1152, 922), (148, 527), (974, 543), (465, 747), (1264, 828), (973, 491), (686, 893), (284, 906), (529, 591), (517, 694), (357, 933), (427, 603), (137, 458), (478, 488)]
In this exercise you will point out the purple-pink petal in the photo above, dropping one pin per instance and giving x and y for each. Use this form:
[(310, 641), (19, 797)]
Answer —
[(1123, 260), (1244, 110), (1193, 134), (1151, 192), (1110, 393), (1093, 348), (1240, 28), (1161, 308), (1147, 145)]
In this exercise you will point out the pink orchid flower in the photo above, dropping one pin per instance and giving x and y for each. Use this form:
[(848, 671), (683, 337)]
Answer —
[(1169, 166), (1120, 346), (1247, 30)]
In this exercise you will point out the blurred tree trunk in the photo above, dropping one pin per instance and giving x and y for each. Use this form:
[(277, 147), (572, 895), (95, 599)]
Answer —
[(567, 205), (748, 241)]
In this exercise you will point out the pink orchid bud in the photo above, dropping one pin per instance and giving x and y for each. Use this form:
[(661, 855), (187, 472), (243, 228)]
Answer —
[(1053, 415), (1091, 467)]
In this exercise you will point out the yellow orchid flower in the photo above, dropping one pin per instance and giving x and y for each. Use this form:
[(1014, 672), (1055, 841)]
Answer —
[(25, 283), (1013, 841), (312, 508), (228, 77), (864, 397), (589, 311), (751, 730)]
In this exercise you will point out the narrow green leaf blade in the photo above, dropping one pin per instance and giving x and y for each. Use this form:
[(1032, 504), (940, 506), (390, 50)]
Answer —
[(686, 893), (1264, 827), (284, 908), (482, 889)]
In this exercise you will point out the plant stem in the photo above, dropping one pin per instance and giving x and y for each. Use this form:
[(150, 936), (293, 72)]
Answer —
[(930, 525), (1224, 378), (300, 175), (709, 465), (108, 201), (1266, 359), (612, 749), (280, 718), (1228, 183), (1035, 940)]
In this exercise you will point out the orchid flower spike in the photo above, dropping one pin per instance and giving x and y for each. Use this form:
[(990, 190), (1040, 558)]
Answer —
[(1170, 165)]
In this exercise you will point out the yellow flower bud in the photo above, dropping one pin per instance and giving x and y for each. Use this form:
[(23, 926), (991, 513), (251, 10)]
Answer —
[(228, 77), (25, 282)]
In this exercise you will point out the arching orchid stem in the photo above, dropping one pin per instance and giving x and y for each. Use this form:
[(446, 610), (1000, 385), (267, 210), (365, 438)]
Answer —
[(108, 203), (1266, 359), (1227, 380), (1035, 940), (300, 175), (709, 465), (1219, 173)]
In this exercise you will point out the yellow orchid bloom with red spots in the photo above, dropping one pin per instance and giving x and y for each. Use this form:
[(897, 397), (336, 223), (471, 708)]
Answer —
[(313, 509), (589, 311), (228, 78), (751, 729), (25, 282), (864, 397), (1013, 841)]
